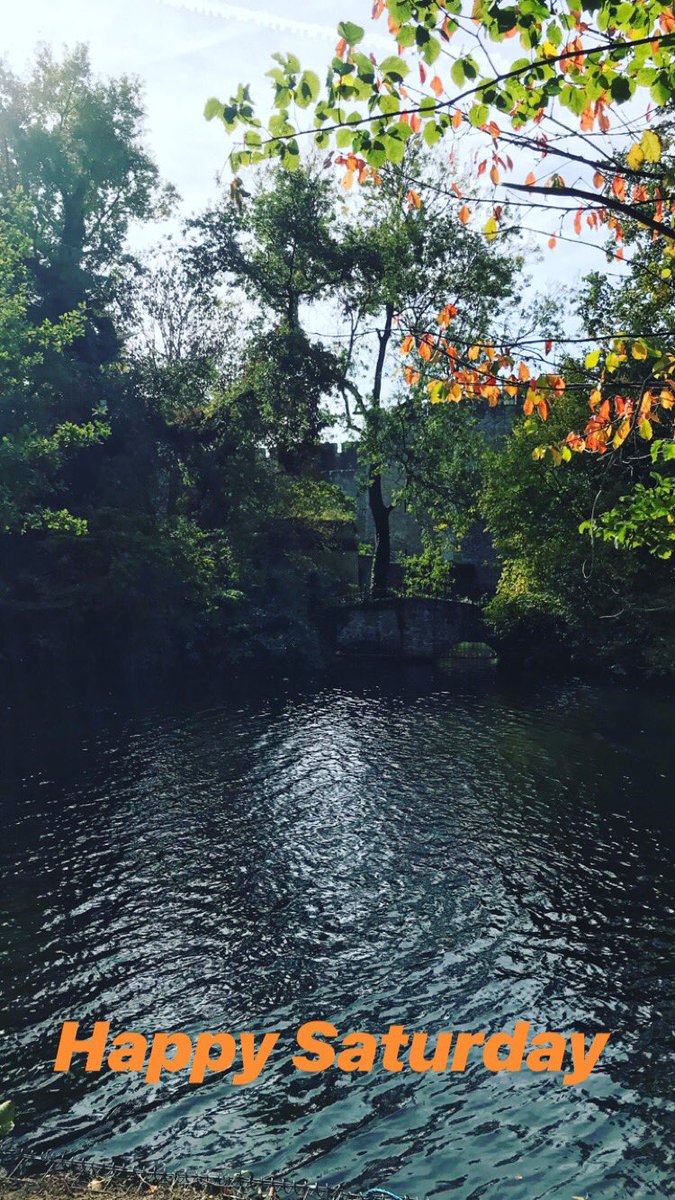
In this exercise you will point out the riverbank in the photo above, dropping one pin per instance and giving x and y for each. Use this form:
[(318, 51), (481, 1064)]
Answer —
[(66, 1186), (58, 1183)]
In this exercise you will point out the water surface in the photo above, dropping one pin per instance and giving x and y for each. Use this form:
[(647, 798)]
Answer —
[(440, 851)]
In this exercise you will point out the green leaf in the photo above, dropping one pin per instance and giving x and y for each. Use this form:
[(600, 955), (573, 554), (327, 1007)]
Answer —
[(406, 36), (457, 72), (621, 89), (7, 1115), (431, 51), (353, 34), (395, 148), (213, 108), (394, 68), (308, 89), (432, 133), (479, 114)]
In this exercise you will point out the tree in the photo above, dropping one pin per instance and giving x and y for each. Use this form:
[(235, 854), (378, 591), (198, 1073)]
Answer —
[(71, 147), (563, 596), (34, 444), (156, 486), (281, 249), (586, 61), (413, 262)]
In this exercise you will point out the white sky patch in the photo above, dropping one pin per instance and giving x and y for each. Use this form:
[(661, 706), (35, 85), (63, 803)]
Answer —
[(265, 20)]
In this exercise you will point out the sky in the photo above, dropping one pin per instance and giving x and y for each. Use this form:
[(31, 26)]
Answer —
[(185, 51)]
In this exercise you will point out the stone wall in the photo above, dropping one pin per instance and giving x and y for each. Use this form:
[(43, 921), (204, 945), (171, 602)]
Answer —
[(408, 629), (477, 568)]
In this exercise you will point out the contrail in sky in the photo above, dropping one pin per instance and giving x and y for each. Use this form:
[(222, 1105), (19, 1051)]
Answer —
[(265, 20)]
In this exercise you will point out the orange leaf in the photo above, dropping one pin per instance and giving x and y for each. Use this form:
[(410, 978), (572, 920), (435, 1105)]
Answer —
[(531, 179), (619, 187), (553, 242), (416, 123), (523, 372), (465, 215), (494, 175), (599, 179), (457, 119), (407, 344), (426, 351), (436, 86), (446, 315)]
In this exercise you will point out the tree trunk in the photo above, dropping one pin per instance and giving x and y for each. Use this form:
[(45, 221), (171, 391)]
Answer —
[(379, 582)]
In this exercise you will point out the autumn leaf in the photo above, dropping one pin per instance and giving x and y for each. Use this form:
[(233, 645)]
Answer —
[(494, 175), (474, 353), (465, 214), (408, 344), (621, 434), (531, 179), (599, 179), (651, 146), (491, 229), (646, 431), (436, 86), (446, 314), (635, 157), (640, 350), (619, 187), (552, 242), (457, 119)]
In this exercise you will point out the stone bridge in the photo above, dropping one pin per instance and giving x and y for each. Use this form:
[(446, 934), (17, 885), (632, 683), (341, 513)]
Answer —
[(408, 628)]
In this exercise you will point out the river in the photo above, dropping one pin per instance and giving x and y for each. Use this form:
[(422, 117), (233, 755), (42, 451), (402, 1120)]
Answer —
[(444, 851)]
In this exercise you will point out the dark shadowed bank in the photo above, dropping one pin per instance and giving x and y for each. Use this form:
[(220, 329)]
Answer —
[(42, 1179)]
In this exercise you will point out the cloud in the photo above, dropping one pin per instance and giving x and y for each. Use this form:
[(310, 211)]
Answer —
[(264, 20)]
